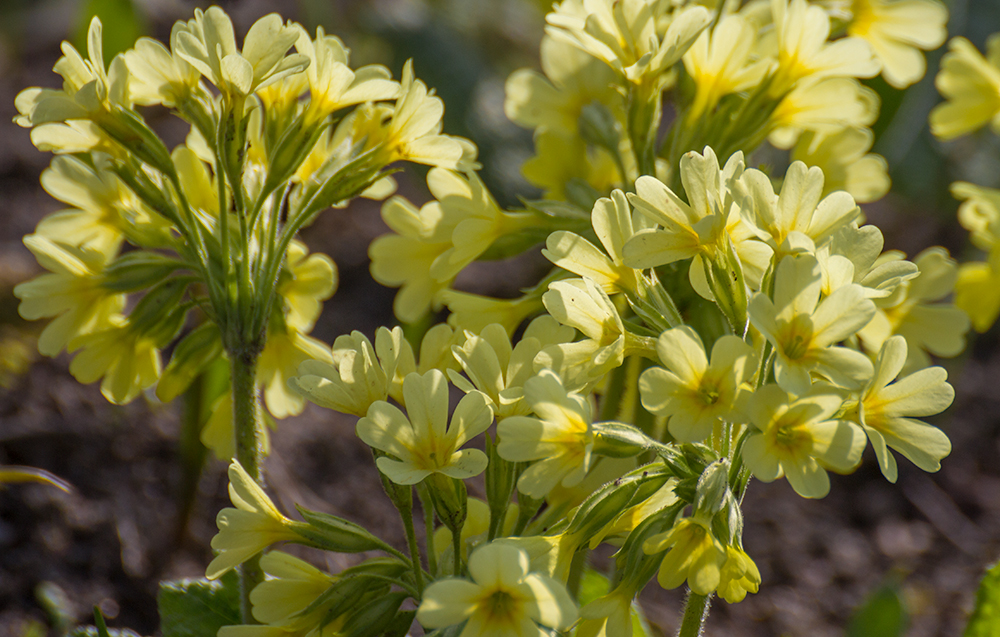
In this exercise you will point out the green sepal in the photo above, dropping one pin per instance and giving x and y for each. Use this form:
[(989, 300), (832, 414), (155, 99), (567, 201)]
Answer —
[(620, 440), (331, 533), (375, 617), (198, 607), (712, 490), (191, 356), (725, 278), (160, 313), (608, 502), (450, 500), (353, 584), (138, 270), (129, 129)]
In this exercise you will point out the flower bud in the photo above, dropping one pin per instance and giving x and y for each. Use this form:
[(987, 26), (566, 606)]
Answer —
[(724, 274), (712, 491), (331, 533), (375, 617), (450, 500), (619, 440)]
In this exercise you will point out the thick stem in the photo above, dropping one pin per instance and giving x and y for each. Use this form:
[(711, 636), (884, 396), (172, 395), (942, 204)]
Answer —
[(695, 613), (247, 426)]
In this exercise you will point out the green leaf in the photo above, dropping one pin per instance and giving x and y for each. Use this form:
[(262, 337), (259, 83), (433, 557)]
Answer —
[(198, 608), (883, 614), (986, 614)]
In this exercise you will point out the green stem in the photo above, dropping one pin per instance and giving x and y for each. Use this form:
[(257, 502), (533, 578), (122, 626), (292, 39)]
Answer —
[(695, 613), (428, 532), (247, 425), (411, 541), (456, 545)]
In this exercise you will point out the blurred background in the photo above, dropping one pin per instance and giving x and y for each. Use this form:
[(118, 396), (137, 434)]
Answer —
[(871, 559)]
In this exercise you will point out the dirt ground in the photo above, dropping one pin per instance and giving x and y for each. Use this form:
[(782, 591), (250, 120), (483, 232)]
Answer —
[(115, 536)]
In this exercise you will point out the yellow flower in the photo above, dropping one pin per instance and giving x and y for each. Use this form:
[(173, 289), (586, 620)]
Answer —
[(798, 208), (824, 106), (738, 577), (412, 256), (561, 162), (293, 586), (498, 369), (474, 312), (896, 31), (559, 441), (251, 527), (553, 102), (719, 63), (796, 438), (612, 222), (804, 333), (332, 84), (71, 292), (702, 228), (422, 443), (208, 43), (801, 32), (355, 378), (979, 213), (414, 132), (977, 292), (286, 349), (696, 396), (938, 328), (624, 36), (582, 304), (88, 88), (306, 281), (159, 76), (502, 600), (126, 358), (971, 85), (695, 555), (846, 166), (887, 411)]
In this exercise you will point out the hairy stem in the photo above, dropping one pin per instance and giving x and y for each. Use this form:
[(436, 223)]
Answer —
[(247, 424), (695, 613)]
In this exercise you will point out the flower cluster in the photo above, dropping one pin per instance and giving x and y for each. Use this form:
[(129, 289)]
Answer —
[(703, 319)]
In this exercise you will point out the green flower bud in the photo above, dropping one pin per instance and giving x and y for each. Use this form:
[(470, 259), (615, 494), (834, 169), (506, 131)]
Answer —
[(191, 355), (331, 533), (450, 500), (712, 491)]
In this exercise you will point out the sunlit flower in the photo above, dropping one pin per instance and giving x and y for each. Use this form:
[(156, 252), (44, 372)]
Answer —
[(696, 396), (797, 438), (887, 410), (251, 527), (804, 330), (421, 442), (694, 554), (71, 293), (559, 440), (897, 30), (502, 600)]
